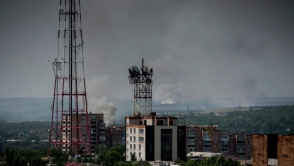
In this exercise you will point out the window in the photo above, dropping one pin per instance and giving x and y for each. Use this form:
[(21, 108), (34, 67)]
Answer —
[(141, 139), (134, 131), (139, 154), (131, 146), (159, 122), (131, 139), (131, 130), (134, 139), (141, 131), (139, 147)]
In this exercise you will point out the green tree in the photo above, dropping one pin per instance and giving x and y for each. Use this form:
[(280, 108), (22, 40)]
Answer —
[(57, 156), (133, 157), (177, 161), (190, 163)]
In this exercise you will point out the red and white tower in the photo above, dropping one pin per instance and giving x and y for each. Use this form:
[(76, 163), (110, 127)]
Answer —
[(70, 121)]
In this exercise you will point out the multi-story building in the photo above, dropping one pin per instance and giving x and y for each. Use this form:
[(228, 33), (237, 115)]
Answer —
[(79, 120), (225, 142), (207, 138), (101, 141), (116, 136), (285, 150), (152, 138), (240, 145), (272, 149)]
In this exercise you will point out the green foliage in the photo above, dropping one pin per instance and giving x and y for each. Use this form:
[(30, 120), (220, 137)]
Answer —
[(23, 157), (129, 163), (191, 163), (263, 120), (212, 161), (57, 156), (111, 156), (133, 157), (21, 132), (85, 160), (177, 161)]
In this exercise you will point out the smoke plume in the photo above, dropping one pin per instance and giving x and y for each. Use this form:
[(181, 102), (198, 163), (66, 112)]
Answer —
[(167, 94), (98, 102)]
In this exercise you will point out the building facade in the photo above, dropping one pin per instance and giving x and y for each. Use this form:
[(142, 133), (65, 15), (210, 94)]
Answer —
[(272, 149), (207, 138), (116, 136), (285, 150), (151, 138), (240, 145), (94, 121)]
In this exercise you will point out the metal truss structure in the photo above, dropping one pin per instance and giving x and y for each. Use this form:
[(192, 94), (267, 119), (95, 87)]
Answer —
[(142, 86), (69, 129)]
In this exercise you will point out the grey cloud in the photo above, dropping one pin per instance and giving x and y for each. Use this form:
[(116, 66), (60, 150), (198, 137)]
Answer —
[(206, 49)]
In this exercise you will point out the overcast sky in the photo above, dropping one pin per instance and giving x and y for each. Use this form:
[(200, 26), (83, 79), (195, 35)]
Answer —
[(197, 49)]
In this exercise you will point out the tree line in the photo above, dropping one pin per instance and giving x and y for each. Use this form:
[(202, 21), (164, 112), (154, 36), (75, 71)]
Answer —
[(259, 120)]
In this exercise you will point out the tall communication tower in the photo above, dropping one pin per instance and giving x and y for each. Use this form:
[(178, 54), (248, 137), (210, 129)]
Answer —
[(142, 86), (69, 124)]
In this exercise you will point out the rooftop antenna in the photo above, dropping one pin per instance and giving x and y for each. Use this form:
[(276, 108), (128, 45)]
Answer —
[(141, 81)]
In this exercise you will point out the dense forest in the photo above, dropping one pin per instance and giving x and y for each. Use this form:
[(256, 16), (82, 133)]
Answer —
[(24, 135), (262, 120)]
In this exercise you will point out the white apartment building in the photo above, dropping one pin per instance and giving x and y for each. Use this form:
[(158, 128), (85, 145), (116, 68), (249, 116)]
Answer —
[(152, 138)]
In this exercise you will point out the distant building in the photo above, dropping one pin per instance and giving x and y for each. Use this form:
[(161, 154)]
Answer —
[(153, 137), (95, 120), (240, 145), (207, 138), (32, 131), (116, 136), (221, 114)]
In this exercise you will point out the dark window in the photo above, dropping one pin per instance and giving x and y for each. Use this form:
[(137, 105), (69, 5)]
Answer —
[(166, 144), (159, 122)]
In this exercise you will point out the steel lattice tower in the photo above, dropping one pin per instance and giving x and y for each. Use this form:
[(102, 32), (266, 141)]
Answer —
[(142, 86), (69, 124)]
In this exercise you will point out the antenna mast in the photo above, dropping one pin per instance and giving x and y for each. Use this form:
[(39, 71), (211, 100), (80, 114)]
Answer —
[(142, 87), (69, 124)]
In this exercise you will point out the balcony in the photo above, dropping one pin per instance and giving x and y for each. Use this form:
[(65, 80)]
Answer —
[(206, 139)]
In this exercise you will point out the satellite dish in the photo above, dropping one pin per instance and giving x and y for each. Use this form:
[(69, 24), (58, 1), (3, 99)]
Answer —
[(148, 81), (132, 73), (136, 70)]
